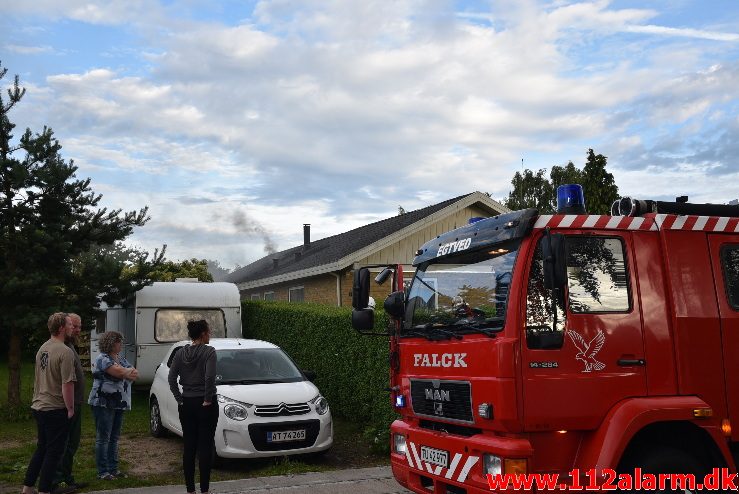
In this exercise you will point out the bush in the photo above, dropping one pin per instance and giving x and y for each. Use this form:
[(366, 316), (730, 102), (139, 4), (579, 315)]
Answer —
[(353, 370)]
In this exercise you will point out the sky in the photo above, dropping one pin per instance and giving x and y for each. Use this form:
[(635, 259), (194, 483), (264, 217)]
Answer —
[(236, 122)]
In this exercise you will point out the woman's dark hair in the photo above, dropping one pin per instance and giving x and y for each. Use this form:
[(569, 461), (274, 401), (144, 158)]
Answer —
[(196, 328)]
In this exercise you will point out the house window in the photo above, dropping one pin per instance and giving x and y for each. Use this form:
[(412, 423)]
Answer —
[(269, 295), (296, 294), (255, 296)]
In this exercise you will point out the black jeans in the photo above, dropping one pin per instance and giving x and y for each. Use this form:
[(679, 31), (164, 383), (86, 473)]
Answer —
[(198, 432), (53, 429)]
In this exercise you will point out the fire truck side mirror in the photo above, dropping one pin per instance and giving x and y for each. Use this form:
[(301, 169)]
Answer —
[(363, 319), (360, 289), (395, 305), (555, 261), (383, 276)]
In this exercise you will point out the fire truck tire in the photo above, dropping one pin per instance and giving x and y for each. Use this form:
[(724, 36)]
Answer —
[(665, 459)]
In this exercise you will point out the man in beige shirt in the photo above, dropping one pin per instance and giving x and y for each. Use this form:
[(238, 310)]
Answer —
[(53, 403), (64, 481)]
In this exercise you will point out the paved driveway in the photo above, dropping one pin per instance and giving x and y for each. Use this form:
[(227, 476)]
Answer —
[(377, 480)]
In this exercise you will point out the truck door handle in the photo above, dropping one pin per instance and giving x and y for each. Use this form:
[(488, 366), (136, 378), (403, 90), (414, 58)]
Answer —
[(631, 362)]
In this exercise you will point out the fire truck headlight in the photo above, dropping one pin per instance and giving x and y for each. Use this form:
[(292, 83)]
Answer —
[(491, 464), (399, 444)]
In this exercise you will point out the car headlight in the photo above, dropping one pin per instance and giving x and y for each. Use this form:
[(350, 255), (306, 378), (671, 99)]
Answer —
[(320, 404), (234, 409), (491, 464)]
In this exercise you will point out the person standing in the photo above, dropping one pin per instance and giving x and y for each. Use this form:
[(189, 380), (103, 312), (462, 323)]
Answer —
[(110, 396), (195, 365), (53, 403), (63, 478)]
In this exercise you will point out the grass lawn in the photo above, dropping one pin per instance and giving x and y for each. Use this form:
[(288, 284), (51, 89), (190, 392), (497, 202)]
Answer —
[(151, 461)]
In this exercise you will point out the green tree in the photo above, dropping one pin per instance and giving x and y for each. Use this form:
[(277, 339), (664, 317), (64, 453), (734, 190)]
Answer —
[(530, 190), (49, 219), (107, 273), (600, 186), (171, 270), (534, 190)]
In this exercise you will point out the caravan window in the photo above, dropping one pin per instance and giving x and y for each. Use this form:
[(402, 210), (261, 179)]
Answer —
[(171, 324)]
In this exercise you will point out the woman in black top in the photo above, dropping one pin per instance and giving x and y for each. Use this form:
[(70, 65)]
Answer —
[(195, 365)]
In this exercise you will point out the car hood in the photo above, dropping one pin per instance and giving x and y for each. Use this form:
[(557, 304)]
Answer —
[(270, 394)]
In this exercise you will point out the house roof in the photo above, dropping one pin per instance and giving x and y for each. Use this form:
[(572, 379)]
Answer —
[(336, 252)]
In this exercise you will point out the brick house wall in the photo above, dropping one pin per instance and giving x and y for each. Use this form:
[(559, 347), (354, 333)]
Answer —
[(316, 289), (319, 290)]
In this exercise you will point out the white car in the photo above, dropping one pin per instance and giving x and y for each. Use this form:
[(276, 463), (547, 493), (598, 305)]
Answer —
[(267, 405)]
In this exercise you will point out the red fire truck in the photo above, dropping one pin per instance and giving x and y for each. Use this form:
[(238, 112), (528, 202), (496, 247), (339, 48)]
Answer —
[(532, 343)]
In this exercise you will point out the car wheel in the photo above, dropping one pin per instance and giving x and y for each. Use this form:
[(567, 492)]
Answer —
[(156, 428)]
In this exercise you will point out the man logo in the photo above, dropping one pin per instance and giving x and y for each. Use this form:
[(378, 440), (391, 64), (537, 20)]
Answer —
[(44, 360), (438, 410), (438, 394)]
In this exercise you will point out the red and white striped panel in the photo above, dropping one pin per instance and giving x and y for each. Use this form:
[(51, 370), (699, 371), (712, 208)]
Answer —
[(595, 221), (697, 223)]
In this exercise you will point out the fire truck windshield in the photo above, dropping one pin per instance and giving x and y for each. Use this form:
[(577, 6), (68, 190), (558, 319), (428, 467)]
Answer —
[(468, 293)]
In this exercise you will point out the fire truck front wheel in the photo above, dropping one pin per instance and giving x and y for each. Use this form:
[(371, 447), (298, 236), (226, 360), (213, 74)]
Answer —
[(665, 459)]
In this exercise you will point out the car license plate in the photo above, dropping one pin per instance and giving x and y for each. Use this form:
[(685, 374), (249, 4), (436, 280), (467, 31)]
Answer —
[(434, 456), (284, 436)]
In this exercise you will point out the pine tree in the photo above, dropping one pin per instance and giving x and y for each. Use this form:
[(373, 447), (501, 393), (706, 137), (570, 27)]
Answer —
[(600, 186), (49, 222)]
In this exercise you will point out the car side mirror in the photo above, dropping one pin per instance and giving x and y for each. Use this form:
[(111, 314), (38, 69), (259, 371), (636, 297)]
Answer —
[(310, 375)]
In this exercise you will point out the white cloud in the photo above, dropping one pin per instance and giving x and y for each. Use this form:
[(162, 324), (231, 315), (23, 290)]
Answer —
[(687, 33), (28, 50), (346, 109)]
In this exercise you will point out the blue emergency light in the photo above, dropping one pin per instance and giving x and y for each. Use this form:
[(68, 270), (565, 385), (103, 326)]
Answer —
[(399, 401), (570, 199)]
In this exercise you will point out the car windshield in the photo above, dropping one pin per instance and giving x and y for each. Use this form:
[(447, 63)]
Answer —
[(465, 293), (255, 366)]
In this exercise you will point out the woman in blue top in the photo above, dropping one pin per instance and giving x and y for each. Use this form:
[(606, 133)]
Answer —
[(110, 396)]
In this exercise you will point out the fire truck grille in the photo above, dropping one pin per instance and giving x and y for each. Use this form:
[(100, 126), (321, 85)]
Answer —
[(451, 400)]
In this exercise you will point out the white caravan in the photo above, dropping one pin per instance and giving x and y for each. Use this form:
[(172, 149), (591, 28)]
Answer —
[(156, 316)]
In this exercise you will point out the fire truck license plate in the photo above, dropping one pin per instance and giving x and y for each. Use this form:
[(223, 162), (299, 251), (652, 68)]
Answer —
[(435, 456), (283, 436)]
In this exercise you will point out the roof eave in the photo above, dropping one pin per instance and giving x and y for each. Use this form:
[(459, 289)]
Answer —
[(349, 259)]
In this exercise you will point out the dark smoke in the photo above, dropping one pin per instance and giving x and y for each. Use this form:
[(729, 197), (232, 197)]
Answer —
[(247, 225)]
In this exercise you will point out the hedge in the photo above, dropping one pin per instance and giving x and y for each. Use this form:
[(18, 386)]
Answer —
[(352, 370)]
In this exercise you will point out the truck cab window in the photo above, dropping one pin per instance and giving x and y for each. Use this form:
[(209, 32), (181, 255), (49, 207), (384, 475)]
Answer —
[(597, 277), (542, 333), (730, 263)]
